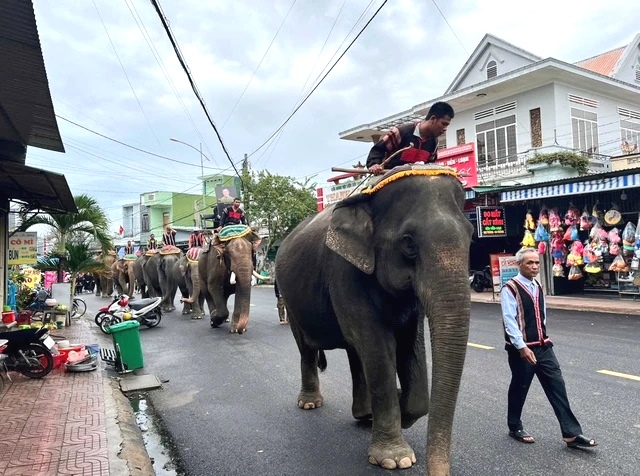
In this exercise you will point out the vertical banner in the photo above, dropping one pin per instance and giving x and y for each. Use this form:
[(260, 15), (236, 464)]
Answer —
[(494, 260), (508, 268)]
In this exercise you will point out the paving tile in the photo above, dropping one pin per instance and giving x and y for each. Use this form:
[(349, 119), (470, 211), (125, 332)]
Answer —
[(7, 447), (38, 469), (88, 437), (35, 451), (90, 400), (11, 424), (87, 416), (53, 394), (45, 409), (47, 429), (79, 460)]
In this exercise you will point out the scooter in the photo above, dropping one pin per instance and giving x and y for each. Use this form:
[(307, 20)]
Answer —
[(146, 311), (482, 280), (103, 311), (28, 352)]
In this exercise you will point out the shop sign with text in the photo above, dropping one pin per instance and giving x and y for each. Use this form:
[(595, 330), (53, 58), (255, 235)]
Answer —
[(461, 158), (491, 222), (23, 248)]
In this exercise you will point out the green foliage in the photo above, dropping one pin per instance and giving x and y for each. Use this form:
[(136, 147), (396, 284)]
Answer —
[(276, 203), (90, 222), (567, 159)]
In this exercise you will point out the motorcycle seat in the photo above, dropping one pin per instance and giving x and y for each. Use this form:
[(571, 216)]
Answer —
[(140, 303)]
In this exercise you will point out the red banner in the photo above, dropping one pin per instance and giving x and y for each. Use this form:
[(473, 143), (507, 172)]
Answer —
[(461, 158)]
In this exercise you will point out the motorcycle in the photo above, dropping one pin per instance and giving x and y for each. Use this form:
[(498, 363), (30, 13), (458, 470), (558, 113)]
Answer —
[(28, 352), (146, 311), (482, 280), (106, 310)]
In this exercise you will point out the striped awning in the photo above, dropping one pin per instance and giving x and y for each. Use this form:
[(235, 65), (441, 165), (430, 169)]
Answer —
[(571, 188)]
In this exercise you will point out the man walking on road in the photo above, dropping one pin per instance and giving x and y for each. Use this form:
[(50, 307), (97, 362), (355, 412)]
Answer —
[(531, 353)]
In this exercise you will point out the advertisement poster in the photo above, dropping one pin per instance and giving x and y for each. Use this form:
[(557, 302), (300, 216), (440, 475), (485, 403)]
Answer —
[(50, 277), (225, 194), (32, 277), (491, 222), (508, 268), (461, 158), (23, 248), (494, 261)]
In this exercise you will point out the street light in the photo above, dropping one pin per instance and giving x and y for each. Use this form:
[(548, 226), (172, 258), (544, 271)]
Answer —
[(202, 157)]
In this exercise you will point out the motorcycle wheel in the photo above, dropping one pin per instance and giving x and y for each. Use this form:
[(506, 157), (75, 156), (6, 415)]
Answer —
[(476, 285), (153, 320), (108, 321), (35, 353), (99, 317)]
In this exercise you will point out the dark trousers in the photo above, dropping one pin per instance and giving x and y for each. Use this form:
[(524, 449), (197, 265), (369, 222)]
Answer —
[(549, 374)]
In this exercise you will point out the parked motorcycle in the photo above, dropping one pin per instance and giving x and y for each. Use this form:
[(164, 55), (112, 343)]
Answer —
[(28, 352), (108, 309), (482, 280), (146, 311)]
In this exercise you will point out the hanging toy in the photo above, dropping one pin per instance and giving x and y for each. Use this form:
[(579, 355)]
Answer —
[(529, 224), (557, 269), (542, 247), (528, 241), (572, 217), (554, 220), (585, 220), (541, 233), (557, 246), (543, 217), (613, 216), (596, 214)]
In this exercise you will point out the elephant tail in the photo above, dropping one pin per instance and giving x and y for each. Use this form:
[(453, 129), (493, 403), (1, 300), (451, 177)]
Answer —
[(322, 361)]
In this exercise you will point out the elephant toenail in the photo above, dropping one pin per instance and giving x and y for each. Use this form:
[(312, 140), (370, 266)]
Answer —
[(405, 463), (388, 463)]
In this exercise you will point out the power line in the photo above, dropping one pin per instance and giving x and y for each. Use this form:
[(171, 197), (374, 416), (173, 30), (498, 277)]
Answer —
[(321, 79), (125, 72), (183, 63), (259, 64)]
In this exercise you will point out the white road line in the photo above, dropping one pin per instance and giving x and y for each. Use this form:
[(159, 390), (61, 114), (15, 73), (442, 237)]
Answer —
[(618, 374), (480, 346)]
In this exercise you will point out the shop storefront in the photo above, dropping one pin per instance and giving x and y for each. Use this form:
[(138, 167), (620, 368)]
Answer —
[(587, 230)]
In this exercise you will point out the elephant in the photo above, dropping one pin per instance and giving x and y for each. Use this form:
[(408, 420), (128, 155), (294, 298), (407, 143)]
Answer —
[(138, 271), (362, 276), (124, 277), (179, 274), (218, 260), (188, 268), (160, 279), (104, 280)]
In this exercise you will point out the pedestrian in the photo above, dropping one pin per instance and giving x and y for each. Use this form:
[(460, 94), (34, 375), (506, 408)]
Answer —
[(421, 137), (169, 236), (530, 352), (282, 313)]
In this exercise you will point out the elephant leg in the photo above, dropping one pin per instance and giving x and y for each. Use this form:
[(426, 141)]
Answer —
[(220, 310), (282, 315), (361, 406), (309, 396), (413, 375)]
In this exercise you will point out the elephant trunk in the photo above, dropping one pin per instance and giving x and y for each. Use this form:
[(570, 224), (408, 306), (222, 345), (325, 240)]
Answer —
[(448, 313), (243, 297)]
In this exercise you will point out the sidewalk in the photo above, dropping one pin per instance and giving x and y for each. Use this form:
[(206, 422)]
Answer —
[(70, 423), (609, 304)]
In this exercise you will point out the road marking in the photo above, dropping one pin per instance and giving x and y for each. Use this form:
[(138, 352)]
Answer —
[(618, 374), (480, 346)]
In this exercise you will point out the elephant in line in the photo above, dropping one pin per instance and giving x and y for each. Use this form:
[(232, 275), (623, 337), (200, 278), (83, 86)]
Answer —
[(104, 280), (124, 278), (191, 273), (362, 276), (179, 274), (160, 279), (216, 263), (138, 270)]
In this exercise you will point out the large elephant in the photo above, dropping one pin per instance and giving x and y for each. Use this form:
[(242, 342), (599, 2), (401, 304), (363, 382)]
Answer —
[(138, 270), (179, 274), (124, 278), (217, 261), (361, 276), (104, 279), (160, 278), (189, 268)]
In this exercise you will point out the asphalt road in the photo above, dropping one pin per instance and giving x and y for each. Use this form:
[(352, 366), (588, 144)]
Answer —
[(229, 401)]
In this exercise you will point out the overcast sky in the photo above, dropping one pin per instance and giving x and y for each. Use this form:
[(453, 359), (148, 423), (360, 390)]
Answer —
[(408, 55)]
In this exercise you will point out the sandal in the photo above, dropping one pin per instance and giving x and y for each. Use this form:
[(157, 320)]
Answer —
[(522, 436), (581, 441)]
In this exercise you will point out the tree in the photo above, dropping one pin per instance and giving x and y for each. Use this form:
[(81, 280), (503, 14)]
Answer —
[(90, 222), (277, 203)]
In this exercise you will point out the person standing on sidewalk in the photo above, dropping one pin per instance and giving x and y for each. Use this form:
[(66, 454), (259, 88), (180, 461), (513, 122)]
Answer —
[(531, 353)]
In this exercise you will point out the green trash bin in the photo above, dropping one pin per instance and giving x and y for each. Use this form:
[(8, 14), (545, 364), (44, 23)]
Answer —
[(126, 341)]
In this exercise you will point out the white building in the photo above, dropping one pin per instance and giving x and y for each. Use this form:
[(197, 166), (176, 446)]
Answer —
[(512, 104), (131, 219)]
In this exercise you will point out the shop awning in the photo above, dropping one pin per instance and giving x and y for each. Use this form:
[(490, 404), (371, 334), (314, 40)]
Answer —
[(577, 187), (48, 191)]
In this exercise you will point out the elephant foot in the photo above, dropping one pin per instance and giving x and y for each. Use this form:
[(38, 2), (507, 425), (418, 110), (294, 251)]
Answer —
[(361, 410), (310, 400), (185, 312), (396, 456), (197, 316), (218, 321)]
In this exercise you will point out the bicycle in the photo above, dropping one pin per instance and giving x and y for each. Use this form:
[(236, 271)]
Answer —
[(78, 308)]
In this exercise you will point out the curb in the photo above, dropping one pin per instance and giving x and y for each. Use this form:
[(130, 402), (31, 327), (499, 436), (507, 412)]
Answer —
[(577, 304)]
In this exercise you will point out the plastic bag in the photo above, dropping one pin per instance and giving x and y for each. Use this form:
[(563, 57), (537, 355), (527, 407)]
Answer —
[(541, 233), (572, 217), (543, 217), (614, 236), (528, 241), (619, 265), (558, 270), (542, 247), (574, 273), (529, 224), (585, 220), (629, 237), (554, 220), (593, 268)]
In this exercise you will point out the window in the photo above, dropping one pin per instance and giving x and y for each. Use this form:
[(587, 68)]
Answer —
[(536, 127), (629, 126), (638, 72), (442, 141), (496, 140), (492, 69), (460, 139), (145, 222), (166, 219), (584, 127)]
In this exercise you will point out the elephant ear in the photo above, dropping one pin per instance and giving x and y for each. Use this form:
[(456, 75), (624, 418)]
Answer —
[(255, 240), (350, 233)]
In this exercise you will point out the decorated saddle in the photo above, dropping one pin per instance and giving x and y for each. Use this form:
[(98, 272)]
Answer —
[(151, 252), (130, 257), (193, 254), (170, 250), (402, 171), (231, 232)]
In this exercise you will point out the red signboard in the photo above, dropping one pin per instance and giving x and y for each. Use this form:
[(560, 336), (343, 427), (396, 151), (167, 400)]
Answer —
[(461, 158)]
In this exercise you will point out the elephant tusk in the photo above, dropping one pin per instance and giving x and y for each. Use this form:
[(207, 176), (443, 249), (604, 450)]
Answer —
[(260, 277), (232, 280)]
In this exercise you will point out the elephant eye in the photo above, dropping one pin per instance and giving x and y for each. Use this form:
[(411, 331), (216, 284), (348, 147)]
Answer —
[(408, 247)]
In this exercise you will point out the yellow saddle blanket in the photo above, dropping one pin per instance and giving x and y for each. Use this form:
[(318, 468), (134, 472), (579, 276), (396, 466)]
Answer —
[(402, 171)]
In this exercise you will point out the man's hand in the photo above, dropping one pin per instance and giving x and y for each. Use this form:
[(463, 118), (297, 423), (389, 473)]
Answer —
[(376, 169), (527, 354)]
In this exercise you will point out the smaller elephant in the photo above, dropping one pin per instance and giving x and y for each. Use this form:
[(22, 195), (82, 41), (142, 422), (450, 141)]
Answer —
[(138, 271), (124, 277), (160, 279), (188, 266)]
